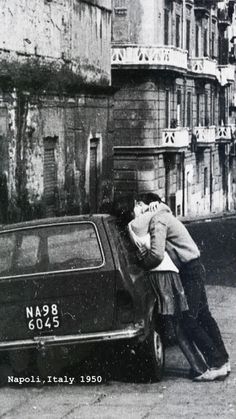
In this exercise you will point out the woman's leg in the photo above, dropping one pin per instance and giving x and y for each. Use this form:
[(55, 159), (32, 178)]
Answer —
[(188, 348)]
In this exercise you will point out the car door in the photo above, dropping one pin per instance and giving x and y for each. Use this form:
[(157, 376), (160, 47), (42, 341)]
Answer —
[(55, 279)]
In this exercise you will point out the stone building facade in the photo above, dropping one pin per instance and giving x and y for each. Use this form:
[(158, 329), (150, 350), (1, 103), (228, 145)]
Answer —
[(173, 81), (55, 107)]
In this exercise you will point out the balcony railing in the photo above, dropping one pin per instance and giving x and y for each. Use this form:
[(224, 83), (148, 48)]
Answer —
[(226, 74), (149, 56), (204, 66), (175, 138), (224, 133), (205, 135)]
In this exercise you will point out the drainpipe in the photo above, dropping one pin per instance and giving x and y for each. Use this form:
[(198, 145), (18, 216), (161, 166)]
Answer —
[(227, 175), (183, 154), (183, 25), (183, 184), (211, 180)]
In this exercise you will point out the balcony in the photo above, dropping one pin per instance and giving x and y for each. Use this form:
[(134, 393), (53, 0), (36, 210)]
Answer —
[(232, 103), (174, 138), (152, 57), (224, 20), (203, 7), (224, 134), (205, 135), (226, 74), (203, 66)]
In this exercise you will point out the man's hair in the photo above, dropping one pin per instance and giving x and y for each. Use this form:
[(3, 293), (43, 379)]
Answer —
[(123, 207), (148, 197)]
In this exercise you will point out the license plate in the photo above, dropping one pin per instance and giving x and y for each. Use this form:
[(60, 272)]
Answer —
[(42, 317)]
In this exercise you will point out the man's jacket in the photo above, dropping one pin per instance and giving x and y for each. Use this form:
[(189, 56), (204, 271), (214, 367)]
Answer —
[(168, 233)]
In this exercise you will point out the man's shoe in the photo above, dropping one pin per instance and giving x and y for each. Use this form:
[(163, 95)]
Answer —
[(228, 367), (212, 374)]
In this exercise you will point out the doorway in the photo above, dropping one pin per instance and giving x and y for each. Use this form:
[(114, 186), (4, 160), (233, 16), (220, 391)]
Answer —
[(93, 174)]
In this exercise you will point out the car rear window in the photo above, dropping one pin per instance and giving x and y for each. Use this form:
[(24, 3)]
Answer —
[(50, 248)]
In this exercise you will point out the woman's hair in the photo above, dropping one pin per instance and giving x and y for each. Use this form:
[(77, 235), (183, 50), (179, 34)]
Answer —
[(148, 197)]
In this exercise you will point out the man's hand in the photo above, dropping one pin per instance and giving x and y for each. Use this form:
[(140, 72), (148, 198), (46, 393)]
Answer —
[(153, 206)]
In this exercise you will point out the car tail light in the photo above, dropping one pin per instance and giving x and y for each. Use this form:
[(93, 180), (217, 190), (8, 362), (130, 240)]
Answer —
[(125, 307)]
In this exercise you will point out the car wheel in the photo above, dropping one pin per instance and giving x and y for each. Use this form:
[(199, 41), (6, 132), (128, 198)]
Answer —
[(151, 357)]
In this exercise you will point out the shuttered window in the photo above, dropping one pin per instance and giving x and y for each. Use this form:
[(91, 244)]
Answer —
[(197, 41), (177, 31), (166, 27), (188, 29), (49, 174)]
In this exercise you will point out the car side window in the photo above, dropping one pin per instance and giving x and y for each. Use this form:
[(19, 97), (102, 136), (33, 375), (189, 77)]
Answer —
[(125, 247), (18, 253), (50, 248), (7, 245), (74, 247), (27, 251)]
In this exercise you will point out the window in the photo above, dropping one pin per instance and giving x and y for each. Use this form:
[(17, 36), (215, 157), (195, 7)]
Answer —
[(120, 7), (205, 180), (207, 122), (188, 189), (198, 168), (167, 109), (213, 44), (213, 164), (179, 176), (177, 31), (197, 41), (94, 174), (53, 248), (179, 107), (19, 253), (213, 107), (73, 247), (189, 109), (205, 43), (120, 3), (188, 34), (124, 246), (198, 110), (7, 245), (28, 246), (166, 27)]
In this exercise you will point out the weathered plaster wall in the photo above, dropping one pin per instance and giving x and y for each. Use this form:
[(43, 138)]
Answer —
[(25, 123), (91, 52), (52, 53), (42, 32)]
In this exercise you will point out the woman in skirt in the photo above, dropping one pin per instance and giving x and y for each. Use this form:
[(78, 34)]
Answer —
[(167, 287)]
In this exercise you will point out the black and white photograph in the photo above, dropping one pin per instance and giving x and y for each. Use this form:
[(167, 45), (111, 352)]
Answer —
[(117, 209)]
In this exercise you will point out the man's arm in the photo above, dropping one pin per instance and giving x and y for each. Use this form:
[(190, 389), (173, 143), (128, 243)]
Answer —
[(153, 257)]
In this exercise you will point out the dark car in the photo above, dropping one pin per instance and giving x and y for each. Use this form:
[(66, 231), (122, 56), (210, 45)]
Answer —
[(74, 280)]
